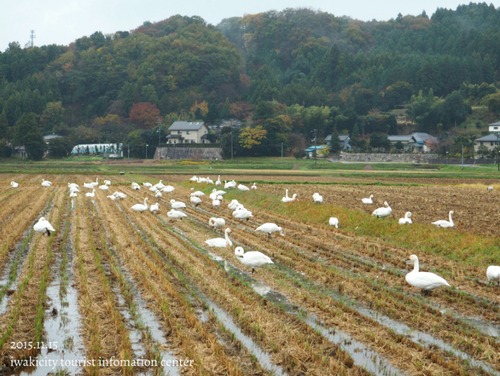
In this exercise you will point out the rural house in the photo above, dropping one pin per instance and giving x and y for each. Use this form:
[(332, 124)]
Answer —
[(418, 142), (489, 142), (186, 132)]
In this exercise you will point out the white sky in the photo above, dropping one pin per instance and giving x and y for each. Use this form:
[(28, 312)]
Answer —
[(63, 21)]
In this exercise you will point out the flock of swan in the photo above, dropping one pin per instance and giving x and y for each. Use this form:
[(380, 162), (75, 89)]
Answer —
[(426, 281)]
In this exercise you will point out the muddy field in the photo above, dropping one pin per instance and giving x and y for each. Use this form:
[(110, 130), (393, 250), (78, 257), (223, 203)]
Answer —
[(114, 291)]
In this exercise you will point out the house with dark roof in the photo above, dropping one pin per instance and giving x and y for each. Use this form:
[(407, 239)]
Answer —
[(418, 142), (489, 142), (188, 132)]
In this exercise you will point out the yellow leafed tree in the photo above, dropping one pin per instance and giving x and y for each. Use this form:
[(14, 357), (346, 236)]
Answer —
[(252, 136)]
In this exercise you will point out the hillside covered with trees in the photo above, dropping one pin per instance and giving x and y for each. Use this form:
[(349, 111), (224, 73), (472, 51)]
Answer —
[(284, 75)]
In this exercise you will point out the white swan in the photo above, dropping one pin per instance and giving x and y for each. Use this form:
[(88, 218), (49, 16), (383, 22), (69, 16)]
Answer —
[(489, 188), (158, 194), (367, 200), (242, 213), (233, 204), (107, 182), (406, 219), (168, 189), (140, 207), (135, 186), (177, 204), (147, 184), (92, 184), (104, 187), (14, 184), (176, 214), (197, 193), (154, 208), (445, 223), (119, 195), (242, 187), (196, 200), (216, 222), (43, 226), (423, 280), (90, 194), (269, 228), (215, 203), (46, 183), (493, 273), (289, 199), (333, 221), (382, 212), (252, 258), (317, 198), (254, 186), (218, 182), (221, 242)]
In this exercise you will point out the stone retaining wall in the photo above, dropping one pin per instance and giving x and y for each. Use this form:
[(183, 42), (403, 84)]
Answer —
[(188, 153), (387, 157)]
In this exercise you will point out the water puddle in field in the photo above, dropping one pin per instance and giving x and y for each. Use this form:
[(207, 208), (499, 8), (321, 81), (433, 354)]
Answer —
[(223, 317), (362, 356), (62, 349), (143, 322), (226, 320), (9, 279)]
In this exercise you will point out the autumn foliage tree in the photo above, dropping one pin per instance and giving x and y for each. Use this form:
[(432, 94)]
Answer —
[(252, 136), (145, 115)]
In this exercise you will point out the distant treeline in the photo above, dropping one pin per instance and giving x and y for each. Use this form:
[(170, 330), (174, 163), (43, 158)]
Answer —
[(284, 75)]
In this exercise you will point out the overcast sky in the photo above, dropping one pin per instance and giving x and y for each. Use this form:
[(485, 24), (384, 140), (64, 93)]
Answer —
[(64, 21)]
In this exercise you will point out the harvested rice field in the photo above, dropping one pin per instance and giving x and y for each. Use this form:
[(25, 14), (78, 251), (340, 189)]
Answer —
[(114, 291)]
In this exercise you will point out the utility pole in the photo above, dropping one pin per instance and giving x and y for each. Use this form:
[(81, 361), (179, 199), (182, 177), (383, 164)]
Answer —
[(32, 36), (231, 143), (315, 146)]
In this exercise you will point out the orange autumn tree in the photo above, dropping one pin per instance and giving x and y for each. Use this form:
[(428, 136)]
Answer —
[(144, 114)]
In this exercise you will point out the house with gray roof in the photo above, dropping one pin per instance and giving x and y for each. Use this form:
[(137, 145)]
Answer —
[(489, 142), (188, 132), (418, 142)]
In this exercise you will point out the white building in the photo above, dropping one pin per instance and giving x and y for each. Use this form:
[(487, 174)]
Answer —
[(185, 132)]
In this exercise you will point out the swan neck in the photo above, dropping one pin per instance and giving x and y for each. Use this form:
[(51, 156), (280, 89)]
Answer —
[(415, 266)]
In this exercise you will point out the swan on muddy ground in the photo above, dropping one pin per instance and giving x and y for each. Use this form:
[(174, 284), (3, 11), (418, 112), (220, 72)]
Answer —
[(253, 259), (220, 242), (426, 281)]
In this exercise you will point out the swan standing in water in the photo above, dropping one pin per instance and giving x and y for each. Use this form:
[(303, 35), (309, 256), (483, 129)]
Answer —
[(367, 200), (406, 219), (43, 226), (269, 228), (423, 280), (252, 258), (382, 212), (141, 207), (221, 242), (445, 223), (493, 273)]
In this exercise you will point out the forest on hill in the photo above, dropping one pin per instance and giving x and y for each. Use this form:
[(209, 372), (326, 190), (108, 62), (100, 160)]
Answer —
[(285, 76)]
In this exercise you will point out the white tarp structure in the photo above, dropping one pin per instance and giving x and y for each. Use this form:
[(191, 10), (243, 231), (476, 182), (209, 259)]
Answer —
[(109, 150)]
